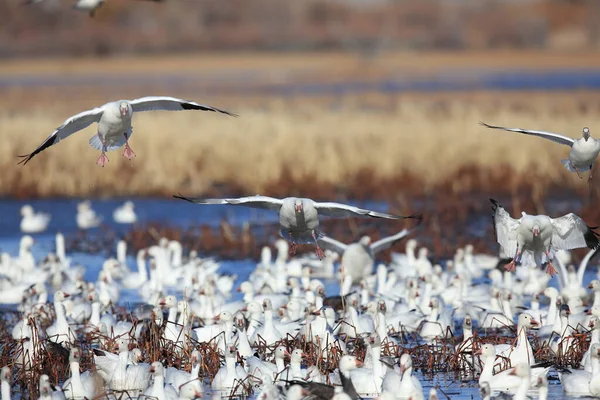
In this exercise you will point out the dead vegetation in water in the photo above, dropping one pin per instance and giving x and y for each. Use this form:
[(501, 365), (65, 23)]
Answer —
[(429, 357), (395, 145)]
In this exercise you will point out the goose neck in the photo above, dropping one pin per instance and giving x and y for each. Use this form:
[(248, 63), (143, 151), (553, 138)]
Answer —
[(5, 390)]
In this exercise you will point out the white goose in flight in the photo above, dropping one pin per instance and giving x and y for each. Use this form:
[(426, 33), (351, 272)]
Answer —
[(299, 217), (539, 236), (114, 123), (583, 150), (358, 258)]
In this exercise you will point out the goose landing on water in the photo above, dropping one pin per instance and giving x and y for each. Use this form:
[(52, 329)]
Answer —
[(299, 217), (537, 237)]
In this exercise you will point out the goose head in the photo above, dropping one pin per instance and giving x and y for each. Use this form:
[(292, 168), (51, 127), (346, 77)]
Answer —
[(26, 210), (586, 133), (405, 363), (136, 356), (467, 323), (224, 317), (45, 386), (297, 356), (125, 109), (365, 241), (526, 320), (60, 296), (594, 285), (5, 374), (168, 302), (486, 350), (374, 340), (298, 206), (281, 352), (195, 358), (75, 355), (348, 363), (157, 369)]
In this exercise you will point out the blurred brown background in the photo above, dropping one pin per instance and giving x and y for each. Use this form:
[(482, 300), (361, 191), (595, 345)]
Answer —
[(369, 26)]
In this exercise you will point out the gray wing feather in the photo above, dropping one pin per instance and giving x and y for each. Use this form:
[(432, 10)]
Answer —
[(570, 232), (555, 137), (387, 242), (343, 210), (69, 127), (332, 244), (262, 202), (506, 229), (164, 103)]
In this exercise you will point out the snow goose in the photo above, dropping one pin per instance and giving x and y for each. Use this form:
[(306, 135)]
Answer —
[(523, 373), (60, 331), (402, 382), (79, 385), (578, 382), (179, 378), (539, 236), (502, 381), (159, 390), (521, 352), (582, 155), (86, 217), (560, 345), (358, 258), (33, 222), (5, 383), (299, 217), (118, 374), (267, 371), (241, 338), (594, 325), (437, 323), (47, 391), (478, 261), (368, 381), (221, 332), (229, 379), (125, 214), (114, 123), (268, 332)]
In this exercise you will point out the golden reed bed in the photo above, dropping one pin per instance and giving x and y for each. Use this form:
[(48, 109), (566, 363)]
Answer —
[(423, 139)]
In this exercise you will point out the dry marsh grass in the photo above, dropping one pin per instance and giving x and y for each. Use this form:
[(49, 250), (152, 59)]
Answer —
[(307, 143)]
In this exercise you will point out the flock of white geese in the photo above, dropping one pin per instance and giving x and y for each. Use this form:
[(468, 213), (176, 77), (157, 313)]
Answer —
[(284, 338), (86, 217)]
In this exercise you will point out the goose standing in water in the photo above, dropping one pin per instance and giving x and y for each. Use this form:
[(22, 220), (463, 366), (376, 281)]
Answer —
[(299, 217), (535, 238), (584, 150), (125, 214), (114, 124), (33, 222), (86, 216)]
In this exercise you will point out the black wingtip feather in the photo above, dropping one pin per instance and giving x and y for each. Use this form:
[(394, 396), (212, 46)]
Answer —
[(99, 353), (191, 106), (591, 239), (180, 197), (47, 143)]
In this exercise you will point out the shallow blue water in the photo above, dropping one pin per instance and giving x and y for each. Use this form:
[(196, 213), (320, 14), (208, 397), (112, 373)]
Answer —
[(182, 214), (224, 82)]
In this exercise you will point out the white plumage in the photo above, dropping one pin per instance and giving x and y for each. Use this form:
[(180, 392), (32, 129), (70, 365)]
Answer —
[(535, 238)]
